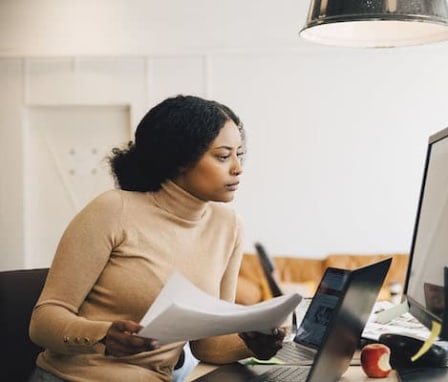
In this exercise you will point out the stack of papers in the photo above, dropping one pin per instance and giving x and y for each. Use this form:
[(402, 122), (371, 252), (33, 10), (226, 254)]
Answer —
[(401, 322), (183, 312)]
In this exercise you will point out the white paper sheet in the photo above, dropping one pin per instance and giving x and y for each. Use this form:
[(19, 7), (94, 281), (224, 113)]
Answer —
[(183, 312)]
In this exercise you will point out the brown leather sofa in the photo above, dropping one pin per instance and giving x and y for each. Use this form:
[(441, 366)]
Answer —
[(19, 290), (305, 273)]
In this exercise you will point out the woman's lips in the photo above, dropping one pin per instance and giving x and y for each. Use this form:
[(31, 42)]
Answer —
[(233, 186)]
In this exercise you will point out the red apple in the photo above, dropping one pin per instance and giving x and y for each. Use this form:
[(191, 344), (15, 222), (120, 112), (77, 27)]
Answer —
[(375, 360)]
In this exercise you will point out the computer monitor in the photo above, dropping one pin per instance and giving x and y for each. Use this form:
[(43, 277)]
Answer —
[(425, 280)]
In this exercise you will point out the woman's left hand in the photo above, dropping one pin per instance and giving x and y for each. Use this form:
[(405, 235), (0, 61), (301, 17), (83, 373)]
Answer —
[(264, 346)]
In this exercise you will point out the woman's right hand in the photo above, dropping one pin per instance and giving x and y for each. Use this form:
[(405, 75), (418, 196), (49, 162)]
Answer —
[(121, 340)]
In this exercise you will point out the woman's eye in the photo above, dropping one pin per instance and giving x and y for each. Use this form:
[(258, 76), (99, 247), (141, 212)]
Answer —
[(223, 157)]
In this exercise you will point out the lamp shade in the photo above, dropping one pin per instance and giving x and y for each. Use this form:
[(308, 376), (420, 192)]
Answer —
[(376, 23)]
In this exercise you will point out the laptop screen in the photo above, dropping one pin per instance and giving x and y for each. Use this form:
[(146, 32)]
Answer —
[(313, 326)]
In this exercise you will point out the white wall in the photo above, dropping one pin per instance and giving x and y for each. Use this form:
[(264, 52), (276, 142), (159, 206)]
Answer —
[(142, 27), (337, 136)]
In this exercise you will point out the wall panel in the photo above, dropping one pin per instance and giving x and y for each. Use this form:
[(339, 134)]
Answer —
[(11, 163), (65, 167)]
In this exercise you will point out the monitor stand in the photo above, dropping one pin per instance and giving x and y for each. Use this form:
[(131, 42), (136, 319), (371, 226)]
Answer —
[(444, 331)]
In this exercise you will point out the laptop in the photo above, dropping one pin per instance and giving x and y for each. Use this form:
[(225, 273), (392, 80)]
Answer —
[(310, 333), (341, 337), (318, 311)]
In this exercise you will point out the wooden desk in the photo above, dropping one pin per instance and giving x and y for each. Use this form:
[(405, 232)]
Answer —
[(353, 374)]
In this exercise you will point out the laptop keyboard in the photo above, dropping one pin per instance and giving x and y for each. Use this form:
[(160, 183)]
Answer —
[(291, 353), (284, 374)]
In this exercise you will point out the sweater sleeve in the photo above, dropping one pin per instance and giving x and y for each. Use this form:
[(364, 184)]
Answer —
[(82, 253), (227, 348)]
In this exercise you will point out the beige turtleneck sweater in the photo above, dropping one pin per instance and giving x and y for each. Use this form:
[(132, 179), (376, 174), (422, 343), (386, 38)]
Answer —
[(112, 262)]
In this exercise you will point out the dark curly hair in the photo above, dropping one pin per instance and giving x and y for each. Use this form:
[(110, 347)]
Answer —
[(172, 136)]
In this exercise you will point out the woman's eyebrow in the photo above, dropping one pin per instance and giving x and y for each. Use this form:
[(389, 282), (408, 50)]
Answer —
[(227, 147)]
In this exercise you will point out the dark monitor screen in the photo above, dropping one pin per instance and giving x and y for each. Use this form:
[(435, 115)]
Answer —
[(424, 287)]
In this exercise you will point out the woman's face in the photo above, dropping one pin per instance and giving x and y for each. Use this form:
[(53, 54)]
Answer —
[(215, 176)]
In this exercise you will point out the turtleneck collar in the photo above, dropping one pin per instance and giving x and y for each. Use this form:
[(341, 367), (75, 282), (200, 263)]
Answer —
[(179, 202)]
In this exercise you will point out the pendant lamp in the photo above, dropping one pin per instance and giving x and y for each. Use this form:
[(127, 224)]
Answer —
[(376, 23)]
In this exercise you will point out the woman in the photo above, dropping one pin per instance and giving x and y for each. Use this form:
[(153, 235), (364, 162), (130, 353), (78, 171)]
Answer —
[(118, 252)]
